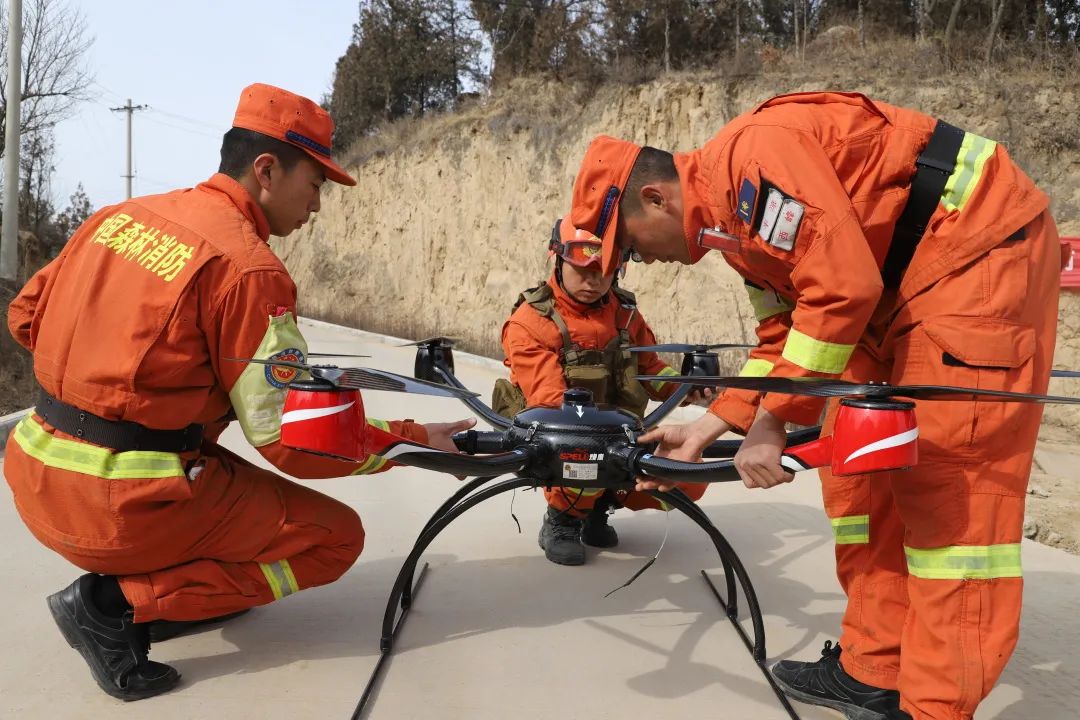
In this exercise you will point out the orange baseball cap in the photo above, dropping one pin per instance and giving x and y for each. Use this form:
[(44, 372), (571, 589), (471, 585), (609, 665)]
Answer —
[(598, 189), (290, 118)]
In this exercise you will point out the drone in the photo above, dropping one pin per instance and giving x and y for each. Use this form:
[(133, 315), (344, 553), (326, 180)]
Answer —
[(587, 445)]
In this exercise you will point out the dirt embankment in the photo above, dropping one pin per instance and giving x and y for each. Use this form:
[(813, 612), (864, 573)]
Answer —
[(452, 213)]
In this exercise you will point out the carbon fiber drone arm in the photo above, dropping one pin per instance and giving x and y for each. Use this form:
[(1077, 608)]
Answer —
[(666, 407), (728, 448), (642, 462), (406, 452), (473, 403)]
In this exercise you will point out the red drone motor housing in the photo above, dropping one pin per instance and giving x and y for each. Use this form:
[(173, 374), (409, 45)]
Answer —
[(869, 435), (326, 420)]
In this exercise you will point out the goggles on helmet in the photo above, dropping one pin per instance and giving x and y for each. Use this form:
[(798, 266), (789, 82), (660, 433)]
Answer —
[(584, 250)]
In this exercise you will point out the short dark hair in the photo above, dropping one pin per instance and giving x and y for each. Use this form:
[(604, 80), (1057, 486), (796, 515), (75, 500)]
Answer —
[(651, 166), (240, 147)]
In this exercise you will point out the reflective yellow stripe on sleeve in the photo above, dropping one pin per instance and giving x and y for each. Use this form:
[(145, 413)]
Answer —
[(658, 385), (965, 562), (279, 576), (767, 303), (93, 460), (970, 159), (851, 529), (756, 367), (816, 355)]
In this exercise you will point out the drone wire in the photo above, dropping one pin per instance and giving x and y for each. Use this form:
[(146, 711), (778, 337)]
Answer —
[(513, 497), (654, 558), (573, 503)]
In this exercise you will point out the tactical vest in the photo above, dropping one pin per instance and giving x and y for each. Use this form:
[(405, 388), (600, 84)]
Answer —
[(608, 373)]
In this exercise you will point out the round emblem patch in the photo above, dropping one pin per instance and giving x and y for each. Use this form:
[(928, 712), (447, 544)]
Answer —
[(279, 376)]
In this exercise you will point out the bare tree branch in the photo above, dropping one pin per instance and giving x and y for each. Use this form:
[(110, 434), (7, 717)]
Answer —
[(54, 76)]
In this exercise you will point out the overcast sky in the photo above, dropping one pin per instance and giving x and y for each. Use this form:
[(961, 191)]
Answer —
[(188, 61)]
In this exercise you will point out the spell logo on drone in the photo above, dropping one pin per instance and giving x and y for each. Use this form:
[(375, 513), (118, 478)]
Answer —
[(279, 376), (581, 456)]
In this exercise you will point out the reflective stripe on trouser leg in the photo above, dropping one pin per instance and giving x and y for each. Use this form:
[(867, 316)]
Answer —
[(851, 530), (280, 578)]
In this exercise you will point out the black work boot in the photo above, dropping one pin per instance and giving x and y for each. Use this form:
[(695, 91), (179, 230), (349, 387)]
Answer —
[(560, 536), (162, 630), (595, 530), (115, 648), (825, 683)]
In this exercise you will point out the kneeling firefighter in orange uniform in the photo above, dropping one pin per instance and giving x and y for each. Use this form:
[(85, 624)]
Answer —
[(576, 330), (132, 329), (877, 244)]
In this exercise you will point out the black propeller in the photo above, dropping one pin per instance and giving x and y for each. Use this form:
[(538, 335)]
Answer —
[(841, 388), (368, 379), (685, 348), (332, 355), (438, 340)]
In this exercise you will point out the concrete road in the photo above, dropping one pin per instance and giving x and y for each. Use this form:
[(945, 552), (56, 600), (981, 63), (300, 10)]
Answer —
[(498, 632)]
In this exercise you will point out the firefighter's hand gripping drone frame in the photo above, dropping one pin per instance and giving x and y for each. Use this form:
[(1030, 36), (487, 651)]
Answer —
[(584, 445)]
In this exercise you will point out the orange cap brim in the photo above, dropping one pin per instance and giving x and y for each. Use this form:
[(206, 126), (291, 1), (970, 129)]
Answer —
[(331, 169)]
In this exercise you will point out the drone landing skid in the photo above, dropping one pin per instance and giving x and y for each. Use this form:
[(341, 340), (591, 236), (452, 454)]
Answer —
[(473, 493)]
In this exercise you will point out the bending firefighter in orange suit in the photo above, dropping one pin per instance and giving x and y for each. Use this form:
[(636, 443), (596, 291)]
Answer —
[(877, 244), (575, 330), (132, 329)]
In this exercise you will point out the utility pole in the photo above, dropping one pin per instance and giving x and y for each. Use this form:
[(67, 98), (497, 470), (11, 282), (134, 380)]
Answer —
[(9, 242), (129, 109)]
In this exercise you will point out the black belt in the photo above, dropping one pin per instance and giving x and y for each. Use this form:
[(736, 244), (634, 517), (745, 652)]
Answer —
[(932, 170), (119, 435)]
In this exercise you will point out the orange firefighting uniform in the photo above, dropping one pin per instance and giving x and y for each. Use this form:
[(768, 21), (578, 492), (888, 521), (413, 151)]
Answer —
[(136, 320), (930, 557), (532, 344)]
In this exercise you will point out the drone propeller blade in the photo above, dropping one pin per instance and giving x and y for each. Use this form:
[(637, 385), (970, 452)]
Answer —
[(440, 339), (1065, 373), (276, 363), (817, 387), (369, 379), (335, 355), (687, 348)]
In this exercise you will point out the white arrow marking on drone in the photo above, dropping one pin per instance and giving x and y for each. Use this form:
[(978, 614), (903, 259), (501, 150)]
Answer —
[(312, 413), (890, 442), (580, 412)]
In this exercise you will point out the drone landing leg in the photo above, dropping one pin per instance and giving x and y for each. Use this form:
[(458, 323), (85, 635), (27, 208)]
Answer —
[(465, 489), (451, 509), (731, 561), (373, 680), (426, 538)]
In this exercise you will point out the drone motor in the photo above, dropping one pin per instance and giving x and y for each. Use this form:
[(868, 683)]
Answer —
[(323, 419), (430, 354)]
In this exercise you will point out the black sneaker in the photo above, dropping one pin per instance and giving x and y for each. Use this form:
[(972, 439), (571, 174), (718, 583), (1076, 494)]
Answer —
[(560, 536), (162, 630), (825, 683), (595, 530), (114, 648)]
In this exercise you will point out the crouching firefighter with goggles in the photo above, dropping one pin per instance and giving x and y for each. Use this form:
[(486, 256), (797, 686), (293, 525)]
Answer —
[(576, 330)]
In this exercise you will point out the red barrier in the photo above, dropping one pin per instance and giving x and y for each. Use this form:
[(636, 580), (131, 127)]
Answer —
[(1070, 255)]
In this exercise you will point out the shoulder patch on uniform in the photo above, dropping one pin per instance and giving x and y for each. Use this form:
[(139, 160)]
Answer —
[(747, 196), (279, 376)]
